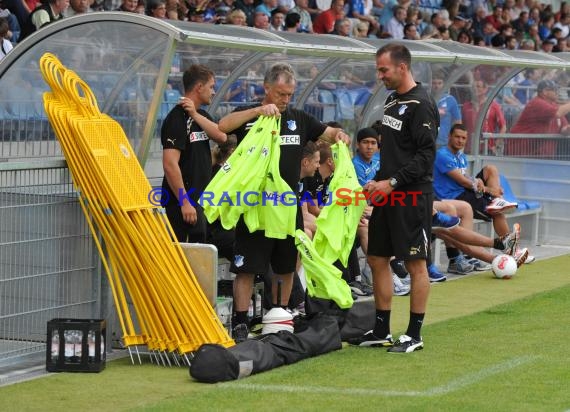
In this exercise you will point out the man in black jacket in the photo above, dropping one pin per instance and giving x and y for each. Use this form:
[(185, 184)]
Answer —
[(402, 196)]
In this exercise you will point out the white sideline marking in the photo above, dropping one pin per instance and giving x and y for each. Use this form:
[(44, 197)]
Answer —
[(452, 386)]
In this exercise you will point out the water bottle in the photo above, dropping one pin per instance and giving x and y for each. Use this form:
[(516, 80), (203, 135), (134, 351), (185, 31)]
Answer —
[(103, 355), (69, 345), (478, 193), (257, 304), (77, 345), (91, 345), (55, 346)]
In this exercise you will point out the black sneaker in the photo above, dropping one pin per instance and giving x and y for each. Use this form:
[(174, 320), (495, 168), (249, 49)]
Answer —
[(371, 340), (406, 344), (360, 289), (240, 332)]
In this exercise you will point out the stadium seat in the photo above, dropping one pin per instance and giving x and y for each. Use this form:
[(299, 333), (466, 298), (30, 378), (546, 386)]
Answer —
[(511, 197)]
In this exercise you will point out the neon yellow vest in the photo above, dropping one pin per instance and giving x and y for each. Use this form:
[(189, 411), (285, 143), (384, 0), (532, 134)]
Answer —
[(323, 279), (253, 168), (337, 223), (244, 171), (278, 216)]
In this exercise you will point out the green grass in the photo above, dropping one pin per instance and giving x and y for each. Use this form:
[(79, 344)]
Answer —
[(490, 345)]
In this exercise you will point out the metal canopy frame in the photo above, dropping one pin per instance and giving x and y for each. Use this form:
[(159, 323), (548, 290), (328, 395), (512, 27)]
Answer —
[(255, 45)]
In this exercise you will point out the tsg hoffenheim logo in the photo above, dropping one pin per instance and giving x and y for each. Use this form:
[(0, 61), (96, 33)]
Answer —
[(238, 260), (292, 125), (402, 109)]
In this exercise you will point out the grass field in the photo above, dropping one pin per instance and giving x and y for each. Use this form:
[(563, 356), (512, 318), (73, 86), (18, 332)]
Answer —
[(490, 345)]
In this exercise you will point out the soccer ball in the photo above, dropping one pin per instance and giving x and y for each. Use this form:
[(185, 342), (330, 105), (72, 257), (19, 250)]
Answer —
[(504, 266)]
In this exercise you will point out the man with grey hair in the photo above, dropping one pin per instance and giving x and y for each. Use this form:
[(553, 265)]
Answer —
[(254, 252)]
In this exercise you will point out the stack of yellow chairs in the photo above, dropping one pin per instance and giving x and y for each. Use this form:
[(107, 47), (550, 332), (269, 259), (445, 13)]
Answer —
[(133, 236)]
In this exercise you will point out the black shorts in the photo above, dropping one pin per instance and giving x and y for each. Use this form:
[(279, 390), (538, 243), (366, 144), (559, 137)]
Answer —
[(183, 231), (401, 231), (254, 251), (478, 204)]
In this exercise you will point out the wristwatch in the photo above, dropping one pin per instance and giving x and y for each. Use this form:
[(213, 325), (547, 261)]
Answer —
[(393, 182)]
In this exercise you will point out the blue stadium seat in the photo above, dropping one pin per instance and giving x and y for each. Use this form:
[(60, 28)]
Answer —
[(172, 96), (511, 197)]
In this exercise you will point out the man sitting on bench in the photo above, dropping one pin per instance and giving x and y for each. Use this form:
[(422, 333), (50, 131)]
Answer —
[(482, 192)]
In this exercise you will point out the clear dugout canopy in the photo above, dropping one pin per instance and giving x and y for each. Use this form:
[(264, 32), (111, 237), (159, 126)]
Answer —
[(134, 65)]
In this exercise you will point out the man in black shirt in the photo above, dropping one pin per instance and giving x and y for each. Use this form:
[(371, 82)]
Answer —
[(253, 251), (186, 156), (401, 229)]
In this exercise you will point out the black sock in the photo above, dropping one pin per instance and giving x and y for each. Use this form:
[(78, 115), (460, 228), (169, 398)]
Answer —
[(240, 317), (452, 253), (382, 325), (498, 244), (416, 321)]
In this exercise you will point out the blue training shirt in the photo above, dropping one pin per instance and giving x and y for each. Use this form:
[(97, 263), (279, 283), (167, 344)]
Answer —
[(445, 161), (365, 171)]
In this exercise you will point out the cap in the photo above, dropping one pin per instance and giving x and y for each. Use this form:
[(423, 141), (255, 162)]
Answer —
[(366, 132), (460, 18), (546, 84)]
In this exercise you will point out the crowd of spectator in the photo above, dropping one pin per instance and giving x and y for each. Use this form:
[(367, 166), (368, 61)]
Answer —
[(504, 24)]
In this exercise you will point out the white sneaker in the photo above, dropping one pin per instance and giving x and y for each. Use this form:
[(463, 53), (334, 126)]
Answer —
[(500, 205), (530, 259), (399, 288), (521, 256)]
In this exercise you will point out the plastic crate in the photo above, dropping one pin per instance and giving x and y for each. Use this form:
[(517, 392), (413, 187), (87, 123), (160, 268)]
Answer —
[(75, 345)]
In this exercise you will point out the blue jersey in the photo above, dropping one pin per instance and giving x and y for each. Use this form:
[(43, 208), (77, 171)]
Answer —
[(445, 161), (449, 114), (356, 6), (365, 171)]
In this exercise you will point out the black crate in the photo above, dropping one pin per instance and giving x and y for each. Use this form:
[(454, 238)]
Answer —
[(75, 345)]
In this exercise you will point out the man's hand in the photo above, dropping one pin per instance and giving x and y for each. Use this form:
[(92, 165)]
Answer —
[(480, 185), (188, 106), (378, 190), (189, 213), (342, 136), (268, 110)]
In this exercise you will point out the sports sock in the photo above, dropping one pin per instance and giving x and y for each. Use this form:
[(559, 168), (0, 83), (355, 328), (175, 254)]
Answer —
[(452, 252), (382, 325), (241, 317), (416, 321), (498, 243)]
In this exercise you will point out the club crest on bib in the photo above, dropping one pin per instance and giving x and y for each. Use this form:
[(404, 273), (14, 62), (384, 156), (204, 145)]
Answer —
[(238, 260), (402, 109), (292, 125)]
